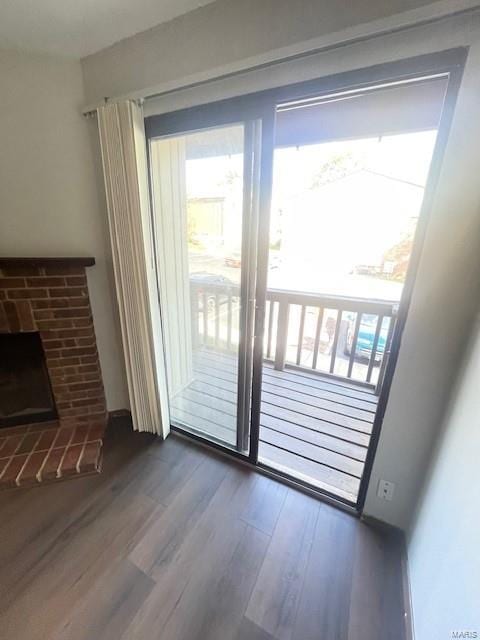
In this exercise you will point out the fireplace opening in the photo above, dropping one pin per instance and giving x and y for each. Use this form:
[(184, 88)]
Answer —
[(25, 391)]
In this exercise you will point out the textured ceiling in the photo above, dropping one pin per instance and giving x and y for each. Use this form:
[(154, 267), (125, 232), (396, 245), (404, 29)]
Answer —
[(78, 28)]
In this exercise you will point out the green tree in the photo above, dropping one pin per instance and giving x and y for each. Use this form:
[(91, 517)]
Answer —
[(335, 168)]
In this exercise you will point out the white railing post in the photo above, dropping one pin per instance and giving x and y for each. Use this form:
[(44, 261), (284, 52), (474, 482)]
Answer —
[(282, 335)]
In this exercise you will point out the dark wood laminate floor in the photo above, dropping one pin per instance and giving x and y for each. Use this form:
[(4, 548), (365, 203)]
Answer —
[(174, 542)]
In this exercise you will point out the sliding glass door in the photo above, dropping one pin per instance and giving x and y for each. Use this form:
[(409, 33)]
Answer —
[(205, 216), (283, 387)]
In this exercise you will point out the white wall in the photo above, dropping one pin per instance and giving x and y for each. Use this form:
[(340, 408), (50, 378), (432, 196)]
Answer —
[(442, 309), (49, 200), (223, 33), (444, 559), (443, 303)]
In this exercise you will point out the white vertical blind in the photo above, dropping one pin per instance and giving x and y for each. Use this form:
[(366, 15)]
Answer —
[(123, 147), (168, 158)]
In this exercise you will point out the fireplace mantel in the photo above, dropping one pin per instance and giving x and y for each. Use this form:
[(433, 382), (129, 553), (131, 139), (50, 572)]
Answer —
[(46, 262)]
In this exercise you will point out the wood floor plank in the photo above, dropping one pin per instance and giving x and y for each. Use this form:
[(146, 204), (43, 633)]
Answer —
[(55, 509), (105, 612), (206, 408), (314, 423), (44, 541), (317, 382), (164, 537), (73, 562), (274, 600), (242, 559), (267, 410), (215, 534), (324, 604), (305, 376), (314, 383), (248, 630), (205, 368), (226, 363), (264, 504), (287, 428), (212, 402), (227, 390), (218, 372), (174, 450), (320, 403), (215, 598), (163, 479), (306, 424), (315, 437), (298, 407), (367, 589), (312, 473), (271, 383), (377, 585), (303, 423), (189, 416), (309, 451), (297, 415)]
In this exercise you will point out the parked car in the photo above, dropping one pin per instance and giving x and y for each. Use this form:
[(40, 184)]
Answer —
[(234, 260), (274, 260), (367, 270), (204, 282), (366, 337)]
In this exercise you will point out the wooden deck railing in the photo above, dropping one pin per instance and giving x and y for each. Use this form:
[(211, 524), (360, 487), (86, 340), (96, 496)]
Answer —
[(344, 337)]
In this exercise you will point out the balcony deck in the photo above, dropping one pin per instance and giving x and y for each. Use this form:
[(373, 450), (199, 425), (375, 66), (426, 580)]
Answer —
[(312, 427)]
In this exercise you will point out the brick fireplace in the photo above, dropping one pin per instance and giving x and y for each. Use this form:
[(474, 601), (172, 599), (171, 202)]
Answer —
[(54, 432)]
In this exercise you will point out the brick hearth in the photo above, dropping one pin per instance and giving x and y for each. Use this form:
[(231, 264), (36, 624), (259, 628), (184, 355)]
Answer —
[(46, 452), (50, 296)]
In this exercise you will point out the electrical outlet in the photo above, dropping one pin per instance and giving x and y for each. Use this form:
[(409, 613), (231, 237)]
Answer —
[(385, 489)]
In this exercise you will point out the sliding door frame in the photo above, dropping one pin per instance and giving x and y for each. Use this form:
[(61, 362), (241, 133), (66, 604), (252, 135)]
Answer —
[(256, 200), (262, 106), (250, 218)]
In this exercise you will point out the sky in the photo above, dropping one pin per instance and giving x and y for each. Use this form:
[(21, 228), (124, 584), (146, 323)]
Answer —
[(328, 220), (329, 226)]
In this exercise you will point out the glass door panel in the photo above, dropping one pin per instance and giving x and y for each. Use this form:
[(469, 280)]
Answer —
[(203, 228)]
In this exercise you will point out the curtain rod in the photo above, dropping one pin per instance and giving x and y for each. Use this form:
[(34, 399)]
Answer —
[(90, 111)]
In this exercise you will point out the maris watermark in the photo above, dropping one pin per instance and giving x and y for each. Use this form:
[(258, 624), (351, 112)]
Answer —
[(465, 634)]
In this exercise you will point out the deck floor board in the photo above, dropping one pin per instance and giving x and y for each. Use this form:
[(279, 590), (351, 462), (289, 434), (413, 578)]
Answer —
[(312, 427)]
